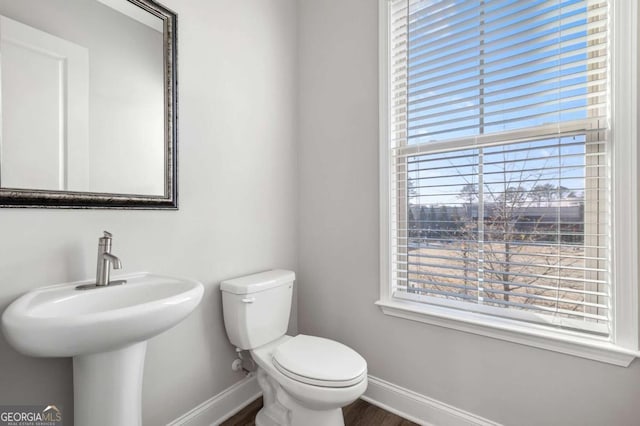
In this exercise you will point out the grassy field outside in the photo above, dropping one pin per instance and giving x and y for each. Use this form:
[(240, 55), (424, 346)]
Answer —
[(546, 278)]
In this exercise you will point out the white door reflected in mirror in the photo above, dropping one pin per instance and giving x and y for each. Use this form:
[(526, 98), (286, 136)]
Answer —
[(83, 106), (45, 110)]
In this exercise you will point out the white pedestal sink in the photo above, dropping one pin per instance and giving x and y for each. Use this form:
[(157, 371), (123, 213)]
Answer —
[(105, 330)]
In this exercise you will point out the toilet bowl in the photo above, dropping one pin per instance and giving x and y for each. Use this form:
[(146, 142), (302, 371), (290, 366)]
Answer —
[(316, 400), (305, 380)]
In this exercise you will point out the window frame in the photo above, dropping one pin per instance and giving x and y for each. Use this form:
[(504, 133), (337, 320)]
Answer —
[(621, 347)]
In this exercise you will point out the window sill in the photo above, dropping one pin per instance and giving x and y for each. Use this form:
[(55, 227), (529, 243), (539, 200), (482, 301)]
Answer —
[(594, 348)]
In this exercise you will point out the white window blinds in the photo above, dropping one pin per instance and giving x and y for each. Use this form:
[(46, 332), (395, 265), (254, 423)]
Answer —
[(499, 158)]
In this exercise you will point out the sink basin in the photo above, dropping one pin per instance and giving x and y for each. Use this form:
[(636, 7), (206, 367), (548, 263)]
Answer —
[(59, 320), (105, 330)]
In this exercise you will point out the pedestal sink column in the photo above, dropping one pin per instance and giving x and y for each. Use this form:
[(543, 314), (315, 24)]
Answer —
[(107, 387)]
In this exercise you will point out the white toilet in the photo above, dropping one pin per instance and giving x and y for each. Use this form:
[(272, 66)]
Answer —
[(305, 380)]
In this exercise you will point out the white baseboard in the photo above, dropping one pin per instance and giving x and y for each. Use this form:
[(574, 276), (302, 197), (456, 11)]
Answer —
[(403, 402), (418, 408), (220, 407)]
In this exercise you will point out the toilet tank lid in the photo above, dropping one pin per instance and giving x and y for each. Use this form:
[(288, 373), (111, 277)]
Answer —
[(258, 282)]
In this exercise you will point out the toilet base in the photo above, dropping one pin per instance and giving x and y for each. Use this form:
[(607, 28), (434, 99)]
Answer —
[(281, 409), (301, 418)]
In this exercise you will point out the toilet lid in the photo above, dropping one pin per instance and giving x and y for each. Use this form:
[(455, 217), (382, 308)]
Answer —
[(319, 361)]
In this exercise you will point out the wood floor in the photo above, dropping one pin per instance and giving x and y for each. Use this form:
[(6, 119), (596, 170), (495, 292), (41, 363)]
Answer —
[(360, 413)]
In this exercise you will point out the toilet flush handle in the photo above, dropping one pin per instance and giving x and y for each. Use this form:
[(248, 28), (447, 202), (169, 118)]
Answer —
[(249, 299)]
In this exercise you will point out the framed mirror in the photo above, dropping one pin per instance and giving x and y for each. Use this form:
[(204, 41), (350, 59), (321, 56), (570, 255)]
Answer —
[(88, 104)]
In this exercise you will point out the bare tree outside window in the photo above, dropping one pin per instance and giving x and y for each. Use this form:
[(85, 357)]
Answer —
[(529, 254)]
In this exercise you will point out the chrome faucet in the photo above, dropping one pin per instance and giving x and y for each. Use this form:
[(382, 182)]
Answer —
[(105, 261)]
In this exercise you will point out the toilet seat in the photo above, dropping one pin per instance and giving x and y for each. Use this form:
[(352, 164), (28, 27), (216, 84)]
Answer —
[(320, 362)]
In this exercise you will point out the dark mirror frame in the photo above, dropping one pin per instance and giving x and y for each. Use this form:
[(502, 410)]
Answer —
[(10, 197)]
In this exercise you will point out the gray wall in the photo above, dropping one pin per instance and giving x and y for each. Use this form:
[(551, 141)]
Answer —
[(338, 256), (237, 100)]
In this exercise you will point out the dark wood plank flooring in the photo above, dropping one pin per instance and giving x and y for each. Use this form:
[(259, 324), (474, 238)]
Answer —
[(359, 413)]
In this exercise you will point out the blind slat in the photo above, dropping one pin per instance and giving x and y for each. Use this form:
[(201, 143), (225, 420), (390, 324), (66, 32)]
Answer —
[(406, 283)]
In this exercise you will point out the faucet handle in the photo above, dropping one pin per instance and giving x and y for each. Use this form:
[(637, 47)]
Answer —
[(105, 242)]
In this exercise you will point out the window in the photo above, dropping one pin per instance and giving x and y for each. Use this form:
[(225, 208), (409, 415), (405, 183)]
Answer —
[(499, 171)]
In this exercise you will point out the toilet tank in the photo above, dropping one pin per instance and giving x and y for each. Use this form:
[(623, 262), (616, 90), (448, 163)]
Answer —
[(257, 307)]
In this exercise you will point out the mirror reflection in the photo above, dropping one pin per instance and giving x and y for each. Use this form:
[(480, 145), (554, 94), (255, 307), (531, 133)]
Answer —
[(82, 97)]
